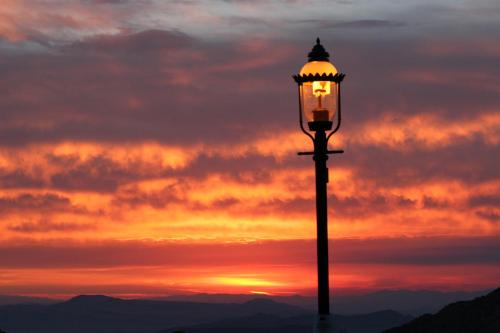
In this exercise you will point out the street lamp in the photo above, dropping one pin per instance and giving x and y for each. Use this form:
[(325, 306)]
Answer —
[(319, 105)]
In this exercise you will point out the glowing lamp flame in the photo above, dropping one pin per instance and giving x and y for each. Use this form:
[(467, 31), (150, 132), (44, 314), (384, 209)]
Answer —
[(321, 88)]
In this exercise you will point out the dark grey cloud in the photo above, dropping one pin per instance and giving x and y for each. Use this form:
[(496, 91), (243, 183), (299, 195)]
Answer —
[(152, 85), (429, 202), (385, 166), (361, 24), (170, 87), (21, 179), (420, 251), (101, 174), (490, 216), (43, 205), (252, 168), (133, 197), (140, 44), (28, 202), (167, 87), (250, 21), (485, 200), (46, 225), (392, 251), (113, 2)]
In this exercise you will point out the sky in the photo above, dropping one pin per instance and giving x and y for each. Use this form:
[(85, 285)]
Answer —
[(149, 147)]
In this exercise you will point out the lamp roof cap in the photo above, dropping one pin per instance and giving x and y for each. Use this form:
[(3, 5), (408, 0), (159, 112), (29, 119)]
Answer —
[(318, 52)]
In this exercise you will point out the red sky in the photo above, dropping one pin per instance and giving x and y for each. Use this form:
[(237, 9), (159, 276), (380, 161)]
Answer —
[(150, 148)]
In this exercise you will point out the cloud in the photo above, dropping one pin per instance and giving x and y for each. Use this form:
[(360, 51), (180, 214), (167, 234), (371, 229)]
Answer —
[(44, 226), (19, 178), (152, 267), (159, 191), (87, 166), (430, 131), (362, 24), (172, 82), (387, 166), (489, 215), (429, 202), (58, 21), (27, 202), (419, 251), (132, 45), (485, 200), (133, 197), (387, 251), (154, 84)]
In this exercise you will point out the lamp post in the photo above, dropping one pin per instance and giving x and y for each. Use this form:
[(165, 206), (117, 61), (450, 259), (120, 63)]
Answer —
[(319, 104)]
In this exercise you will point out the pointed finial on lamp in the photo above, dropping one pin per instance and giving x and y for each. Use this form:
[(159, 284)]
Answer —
[(318, 53)]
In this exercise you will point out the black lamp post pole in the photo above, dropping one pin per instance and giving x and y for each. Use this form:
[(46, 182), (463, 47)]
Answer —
[(321, 124), (320, 158)]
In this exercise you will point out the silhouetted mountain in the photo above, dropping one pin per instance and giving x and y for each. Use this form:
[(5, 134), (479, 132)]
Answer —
[(372, 322), (481, 315), (102, 314), (265, 323), (8, 300), (409, 302), (404, 301), (305, 302), (106, 314), (252, 324)]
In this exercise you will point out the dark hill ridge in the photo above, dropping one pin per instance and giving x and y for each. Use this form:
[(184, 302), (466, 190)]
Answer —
[(106, 314), (265, 323), (102, 314), (92, 299), (481, 315), (411, 302)]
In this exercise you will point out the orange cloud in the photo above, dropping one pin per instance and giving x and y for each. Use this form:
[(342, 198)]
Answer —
[(428, 131), (147, 190)]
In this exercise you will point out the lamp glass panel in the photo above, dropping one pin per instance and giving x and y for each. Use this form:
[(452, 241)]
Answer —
[(319, 100)]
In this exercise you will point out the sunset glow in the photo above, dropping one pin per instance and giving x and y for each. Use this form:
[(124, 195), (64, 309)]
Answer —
[(151, 150)]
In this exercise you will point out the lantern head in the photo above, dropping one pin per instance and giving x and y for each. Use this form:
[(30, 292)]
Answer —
[(319, 90)]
